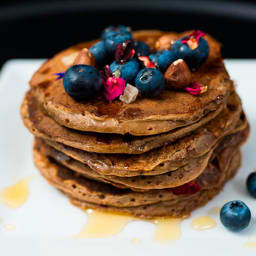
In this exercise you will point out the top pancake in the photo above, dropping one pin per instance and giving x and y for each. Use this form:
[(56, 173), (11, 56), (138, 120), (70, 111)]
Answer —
[(145, 116)]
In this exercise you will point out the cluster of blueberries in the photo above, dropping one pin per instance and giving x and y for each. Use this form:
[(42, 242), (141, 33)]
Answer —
[(84, 82), (236, 215)]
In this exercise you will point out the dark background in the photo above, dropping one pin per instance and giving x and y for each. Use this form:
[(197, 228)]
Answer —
[(38, 29)]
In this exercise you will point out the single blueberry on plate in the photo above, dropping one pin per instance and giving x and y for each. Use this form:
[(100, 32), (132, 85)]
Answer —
[(193, 57), (99, 52), (82, 82), (113, 40), (235, 215), (141, 48), (163, 59), (115, 29), (150, 82), (251, 184), (128, 70)]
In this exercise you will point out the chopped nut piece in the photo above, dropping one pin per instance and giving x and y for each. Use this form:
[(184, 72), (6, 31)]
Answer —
[(178, 74), (130, 94), (165, 42), (84, 57), (204, 89), (69, 59)]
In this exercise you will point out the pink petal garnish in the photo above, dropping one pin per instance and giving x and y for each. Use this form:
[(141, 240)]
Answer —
[(105, 73), (196, 88), (147, 62), (114, 87), (186, 189), (192, 39)]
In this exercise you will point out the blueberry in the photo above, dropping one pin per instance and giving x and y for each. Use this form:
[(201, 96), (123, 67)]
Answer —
[(82, 82), (163, 59), (128, 70), (150, 82), (112, 29), (251, 184), (112, 41), (235, 215), (99, 52), (194, 58), (141, 48)]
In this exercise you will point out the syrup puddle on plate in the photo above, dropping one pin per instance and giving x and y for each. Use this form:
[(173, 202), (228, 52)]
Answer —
[(100, 224), (16, 195), (214, 210), (135, 240), (167, 229), (251, 243), (9, 227), (203, 223)]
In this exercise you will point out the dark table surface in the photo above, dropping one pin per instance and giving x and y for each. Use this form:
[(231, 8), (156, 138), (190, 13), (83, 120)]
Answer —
[(38, 29)]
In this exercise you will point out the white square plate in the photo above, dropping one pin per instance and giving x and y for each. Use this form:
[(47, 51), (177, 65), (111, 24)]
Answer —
[(46, 223)]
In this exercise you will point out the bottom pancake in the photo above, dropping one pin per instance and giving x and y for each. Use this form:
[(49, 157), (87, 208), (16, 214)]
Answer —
[(165, 202)]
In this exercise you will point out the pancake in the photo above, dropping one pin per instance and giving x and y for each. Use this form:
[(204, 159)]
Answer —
[(172, 208), (172, 109), (176, 178), (154, 157), (45, 127), (170, 179), (166, 158), (93, 194)]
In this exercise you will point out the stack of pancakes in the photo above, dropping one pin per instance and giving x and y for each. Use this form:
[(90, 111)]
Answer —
[(155, 157)]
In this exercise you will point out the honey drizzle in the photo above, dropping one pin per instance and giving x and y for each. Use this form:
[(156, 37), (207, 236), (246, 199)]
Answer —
[(135, 240), (167, 229), (9, 227), (250, 244), (16, 195), (214, 210), (100, 224), (203, 223)]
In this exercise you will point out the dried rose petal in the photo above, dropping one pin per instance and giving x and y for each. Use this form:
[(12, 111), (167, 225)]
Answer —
[(114, 87), (192, 39), (124, 52), (105, 73), (147, 62), (186, 189), (196, 89)]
